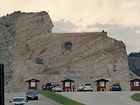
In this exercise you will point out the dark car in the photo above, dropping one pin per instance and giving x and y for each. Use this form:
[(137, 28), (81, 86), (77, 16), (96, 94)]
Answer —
[(47, 86), (115, 87), (31, 95)]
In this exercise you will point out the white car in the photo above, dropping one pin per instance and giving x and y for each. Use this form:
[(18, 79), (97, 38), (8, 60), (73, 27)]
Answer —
[(18, 101), (85, 87), (57, 88), (80, 87), (88, 87)]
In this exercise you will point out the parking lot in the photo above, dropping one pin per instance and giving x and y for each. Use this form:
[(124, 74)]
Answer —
[(102, 98), (42, 99), (87, 98)]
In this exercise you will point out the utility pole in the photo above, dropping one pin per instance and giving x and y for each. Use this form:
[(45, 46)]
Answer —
[(1, 84)]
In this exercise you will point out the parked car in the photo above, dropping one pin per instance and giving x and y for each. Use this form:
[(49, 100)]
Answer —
[(88, 87), (57, 88), (18, 101), (85, 87), (115, 87), (80, 87), (31, 95), (47, 86)]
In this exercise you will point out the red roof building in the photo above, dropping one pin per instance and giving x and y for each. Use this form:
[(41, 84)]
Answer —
[(101, 84), (32, 84), (67, 85), (135, 84)]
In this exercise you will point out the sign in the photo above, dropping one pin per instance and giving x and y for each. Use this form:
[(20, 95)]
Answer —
[(67, 84), (33, 84)]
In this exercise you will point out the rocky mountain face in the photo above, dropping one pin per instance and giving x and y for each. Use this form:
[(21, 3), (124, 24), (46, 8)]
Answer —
[(29, 49)]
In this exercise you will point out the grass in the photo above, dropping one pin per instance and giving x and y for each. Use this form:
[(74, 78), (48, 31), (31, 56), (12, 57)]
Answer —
[(136, 97), (59, 98)]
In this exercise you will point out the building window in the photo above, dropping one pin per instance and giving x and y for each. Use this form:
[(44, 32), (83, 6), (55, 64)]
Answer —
[(136, 83), (68, 45), (102, 83)]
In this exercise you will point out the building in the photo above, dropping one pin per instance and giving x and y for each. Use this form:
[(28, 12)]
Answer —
[(32, 84), (135, 84), (67, 85), (101, 84)]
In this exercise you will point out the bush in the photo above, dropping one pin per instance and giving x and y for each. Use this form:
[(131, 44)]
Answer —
[(136, 97)]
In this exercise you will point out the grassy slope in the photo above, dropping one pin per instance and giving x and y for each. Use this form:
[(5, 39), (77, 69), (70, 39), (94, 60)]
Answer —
[(59, 98), (136, 97)]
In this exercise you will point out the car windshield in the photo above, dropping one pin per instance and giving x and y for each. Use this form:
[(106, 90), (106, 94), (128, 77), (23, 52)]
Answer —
[(87, 84), (18, 99), (57, 86), (32, 92), (116, 86)]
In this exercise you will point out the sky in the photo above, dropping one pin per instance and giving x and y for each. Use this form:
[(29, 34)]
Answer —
[(119, 18)]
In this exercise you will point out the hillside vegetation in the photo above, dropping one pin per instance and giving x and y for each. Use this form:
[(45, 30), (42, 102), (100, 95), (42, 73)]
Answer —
[(134, 62)]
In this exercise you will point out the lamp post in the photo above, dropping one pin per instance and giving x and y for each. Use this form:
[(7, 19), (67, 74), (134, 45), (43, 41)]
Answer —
[(1, 84)]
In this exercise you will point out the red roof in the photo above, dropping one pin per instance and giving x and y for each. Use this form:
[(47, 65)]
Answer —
[(136, 79), (67, 80), (99, 80), (33, 80)]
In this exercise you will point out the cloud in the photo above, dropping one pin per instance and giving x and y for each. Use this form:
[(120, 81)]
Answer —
[(124, 12)]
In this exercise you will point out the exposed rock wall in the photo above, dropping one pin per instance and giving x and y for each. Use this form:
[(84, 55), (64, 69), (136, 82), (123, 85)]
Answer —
[(30, 50)]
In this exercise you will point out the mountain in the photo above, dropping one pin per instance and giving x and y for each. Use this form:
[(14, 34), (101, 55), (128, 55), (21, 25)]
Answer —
[(29, 49)]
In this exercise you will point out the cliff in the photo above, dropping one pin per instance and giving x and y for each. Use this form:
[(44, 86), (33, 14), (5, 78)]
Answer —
[(29, 49)]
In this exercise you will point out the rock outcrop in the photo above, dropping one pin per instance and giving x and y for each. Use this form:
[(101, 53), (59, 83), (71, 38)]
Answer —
[(29, 49)]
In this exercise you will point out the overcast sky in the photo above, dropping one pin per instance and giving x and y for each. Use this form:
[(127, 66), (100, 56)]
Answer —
[(120, 18)]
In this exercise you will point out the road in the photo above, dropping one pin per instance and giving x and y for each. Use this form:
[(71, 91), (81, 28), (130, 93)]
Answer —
[(102, 98), (42, 99)]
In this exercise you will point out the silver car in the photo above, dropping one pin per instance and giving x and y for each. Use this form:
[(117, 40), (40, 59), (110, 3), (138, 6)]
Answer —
[(88, 87), (57, 88), (18, 101)]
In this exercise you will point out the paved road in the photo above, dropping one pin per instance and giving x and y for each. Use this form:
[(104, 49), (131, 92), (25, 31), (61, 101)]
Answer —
[(42, 99), (102, 98)]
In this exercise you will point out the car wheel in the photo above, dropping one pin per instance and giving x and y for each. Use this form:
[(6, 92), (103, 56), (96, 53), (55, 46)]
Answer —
[(36, 98)]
